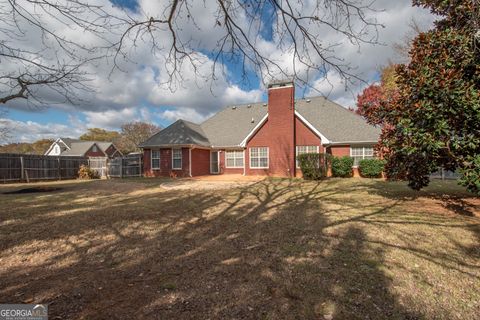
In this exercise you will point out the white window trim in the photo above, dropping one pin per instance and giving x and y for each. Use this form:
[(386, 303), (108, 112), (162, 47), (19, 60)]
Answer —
[(151, 160), (250, 158), (181, 159), (363, 153), (234, 167), (296, 153)]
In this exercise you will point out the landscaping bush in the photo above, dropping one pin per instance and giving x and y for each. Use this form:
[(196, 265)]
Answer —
[(313, 165), (371, 168), (342, 167), (86, 173)]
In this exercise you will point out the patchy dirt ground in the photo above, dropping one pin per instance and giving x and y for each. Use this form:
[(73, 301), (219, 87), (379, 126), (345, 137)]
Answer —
[(271, 249)]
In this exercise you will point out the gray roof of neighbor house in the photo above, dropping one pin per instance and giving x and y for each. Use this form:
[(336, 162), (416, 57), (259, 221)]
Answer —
[(229, 127), (79, 148), (69, 141), (180, 132)]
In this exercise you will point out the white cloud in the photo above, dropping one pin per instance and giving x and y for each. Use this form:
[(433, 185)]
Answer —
[(29, 131), (142, 82), (182, 113), (114, 119)]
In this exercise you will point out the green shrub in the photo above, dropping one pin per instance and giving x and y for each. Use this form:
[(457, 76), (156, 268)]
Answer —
[(342, 167), (371, 168), (86, 173), (313, 165)]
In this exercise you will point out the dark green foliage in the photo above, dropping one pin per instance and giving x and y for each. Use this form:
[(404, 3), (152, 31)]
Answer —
[(470, 176), (342, 167), (434, 120), (314, 165), (371, 168)]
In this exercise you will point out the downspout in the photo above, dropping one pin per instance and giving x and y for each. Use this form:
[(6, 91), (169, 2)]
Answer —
[(190, 162), (244, 163)]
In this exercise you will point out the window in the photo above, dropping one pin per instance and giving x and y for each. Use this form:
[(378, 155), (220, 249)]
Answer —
[(155, 159), (234, 159), (305, 149), (359, 153), (259, 157), (94, 148), (176, 158)]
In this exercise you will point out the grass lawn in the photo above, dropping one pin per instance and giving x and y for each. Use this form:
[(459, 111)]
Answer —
[(273, 249)]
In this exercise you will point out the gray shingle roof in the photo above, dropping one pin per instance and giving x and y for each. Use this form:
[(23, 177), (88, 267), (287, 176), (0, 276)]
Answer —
[(180, 132), (78, 148), (335, 122), (69, 141), (229, 127)]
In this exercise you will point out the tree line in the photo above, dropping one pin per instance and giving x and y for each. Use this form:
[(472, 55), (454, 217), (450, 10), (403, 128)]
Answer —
[(127, 140)]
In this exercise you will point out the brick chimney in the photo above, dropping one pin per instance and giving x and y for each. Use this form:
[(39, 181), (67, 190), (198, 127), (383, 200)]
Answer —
[(281, 120)]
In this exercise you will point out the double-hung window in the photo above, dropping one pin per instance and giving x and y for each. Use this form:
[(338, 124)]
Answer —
[(156, 159), (259, 157), (305, 149), (234, 159), (177, 159), (360, 153)]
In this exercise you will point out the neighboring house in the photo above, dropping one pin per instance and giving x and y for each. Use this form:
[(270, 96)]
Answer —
[(260, 138), (75, 147)]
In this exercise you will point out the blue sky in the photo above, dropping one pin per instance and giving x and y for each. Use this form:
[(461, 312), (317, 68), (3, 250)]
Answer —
[(137, 93)]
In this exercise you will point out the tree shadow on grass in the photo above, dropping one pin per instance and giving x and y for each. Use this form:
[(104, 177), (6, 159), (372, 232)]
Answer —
[(260, 251), (452, 197)]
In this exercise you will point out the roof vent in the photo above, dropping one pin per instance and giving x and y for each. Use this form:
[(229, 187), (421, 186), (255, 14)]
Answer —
[(253, 120), (308, 100), (234, 107)]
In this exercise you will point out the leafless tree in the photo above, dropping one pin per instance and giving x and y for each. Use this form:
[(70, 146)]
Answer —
[(402, 48), (57, 65), (298, 29), (54, 65)]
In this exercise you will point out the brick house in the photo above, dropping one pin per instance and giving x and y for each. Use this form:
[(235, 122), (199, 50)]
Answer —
[(75, 147), (260, 138)]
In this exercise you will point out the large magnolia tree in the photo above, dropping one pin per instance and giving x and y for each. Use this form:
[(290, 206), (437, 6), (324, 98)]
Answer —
[(434, 117)]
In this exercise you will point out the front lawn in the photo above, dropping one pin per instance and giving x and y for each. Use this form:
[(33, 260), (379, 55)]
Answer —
[(273, 249)]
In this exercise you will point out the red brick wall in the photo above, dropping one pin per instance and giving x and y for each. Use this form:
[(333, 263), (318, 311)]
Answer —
[(278, 133), (339, 151), (305, 137), (200, 162), (165, 163), (223, 166)]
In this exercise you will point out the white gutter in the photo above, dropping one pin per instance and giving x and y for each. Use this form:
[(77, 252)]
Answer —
[(244, 163), (190, 162), (325, 140)]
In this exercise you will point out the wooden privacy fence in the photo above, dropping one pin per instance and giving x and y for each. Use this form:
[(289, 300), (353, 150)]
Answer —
[(27, 167), (127, 166)]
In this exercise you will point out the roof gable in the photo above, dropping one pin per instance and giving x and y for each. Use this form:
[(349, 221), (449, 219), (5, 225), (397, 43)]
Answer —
[(233, 124), (180, 132)]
